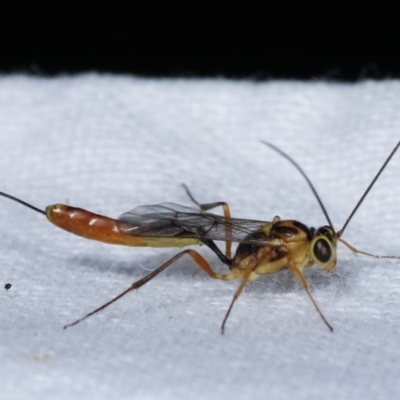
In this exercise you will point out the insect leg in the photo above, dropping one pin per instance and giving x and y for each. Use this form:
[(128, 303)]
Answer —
[(246, 275), (210, 244), (210, 206), (297, 273), (197, 258), (356, 251)]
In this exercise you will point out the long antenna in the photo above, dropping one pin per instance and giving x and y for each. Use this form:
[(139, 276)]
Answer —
[(23, 203), (340, 233), (305, 177)]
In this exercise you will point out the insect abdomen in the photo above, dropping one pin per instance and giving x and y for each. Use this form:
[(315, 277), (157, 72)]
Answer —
[(103, 229), (89, 225)]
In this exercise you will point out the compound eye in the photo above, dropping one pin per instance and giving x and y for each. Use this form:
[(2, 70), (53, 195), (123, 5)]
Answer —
[(322, 250)]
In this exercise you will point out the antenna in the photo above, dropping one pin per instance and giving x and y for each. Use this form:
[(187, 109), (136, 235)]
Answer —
[(305, 177), (340, 233)]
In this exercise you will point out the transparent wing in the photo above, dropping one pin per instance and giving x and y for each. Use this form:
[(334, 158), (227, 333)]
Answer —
[(174, 220)]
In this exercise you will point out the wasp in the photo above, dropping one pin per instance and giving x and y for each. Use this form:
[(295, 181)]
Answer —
[(263, 247)]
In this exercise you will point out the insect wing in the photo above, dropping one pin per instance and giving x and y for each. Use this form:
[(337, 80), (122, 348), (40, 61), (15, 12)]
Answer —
[(174, 220), (166, 219)]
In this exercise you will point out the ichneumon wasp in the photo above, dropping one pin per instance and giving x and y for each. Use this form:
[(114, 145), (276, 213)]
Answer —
[(263, 247)]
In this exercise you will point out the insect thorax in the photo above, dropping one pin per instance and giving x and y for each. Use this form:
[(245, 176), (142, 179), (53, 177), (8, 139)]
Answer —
[(277, 244)]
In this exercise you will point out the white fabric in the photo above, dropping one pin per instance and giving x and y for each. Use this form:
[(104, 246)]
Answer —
[(108, 144)]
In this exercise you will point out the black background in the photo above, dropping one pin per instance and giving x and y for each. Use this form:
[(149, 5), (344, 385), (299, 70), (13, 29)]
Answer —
[(335, 40)]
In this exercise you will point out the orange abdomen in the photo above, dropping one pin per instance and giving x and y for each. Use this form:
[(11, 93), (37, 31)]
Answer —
[(90, 225)]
